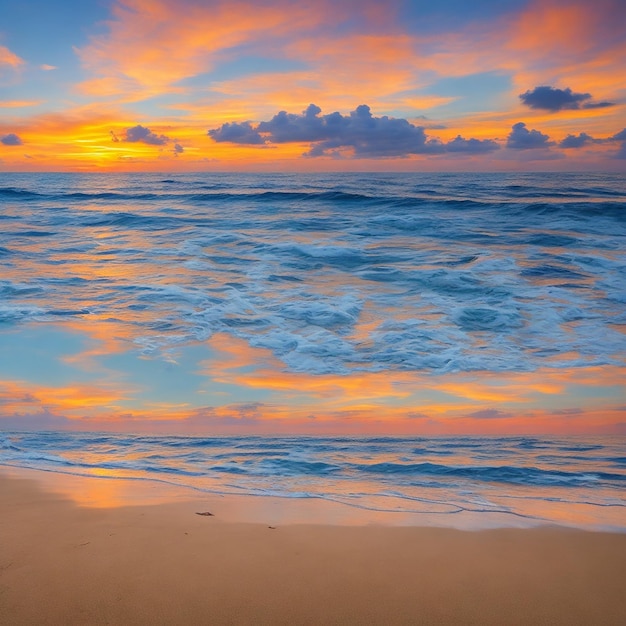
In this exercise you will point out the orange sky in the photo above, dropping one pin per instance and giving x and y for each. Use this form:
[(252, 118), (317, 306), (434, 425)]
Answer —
[(237, 388), (293, 85), (179, 68)]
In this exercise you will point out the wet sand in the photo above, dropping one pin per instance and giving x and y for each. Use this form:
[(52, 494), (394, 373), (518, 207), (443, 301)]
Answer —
[(162, 564)]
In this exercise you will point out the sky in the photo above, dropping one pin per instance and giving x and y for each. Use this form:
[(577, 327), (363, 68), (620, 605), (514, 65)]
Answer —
[(72, 377), (284, 85)]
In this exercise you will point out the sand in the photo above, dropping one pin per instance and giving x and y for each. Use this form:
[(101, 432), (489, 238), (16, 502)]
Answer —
[(163, 564)]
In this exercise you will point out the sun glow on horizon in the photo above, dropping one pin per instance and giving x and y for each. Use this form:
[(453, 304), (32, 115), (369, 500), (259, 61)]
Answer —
[(427, 79)]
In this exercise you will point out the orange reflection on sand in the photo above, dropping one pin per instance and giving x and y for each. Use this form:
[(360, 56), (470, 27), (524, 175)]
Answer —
[(103, 488)]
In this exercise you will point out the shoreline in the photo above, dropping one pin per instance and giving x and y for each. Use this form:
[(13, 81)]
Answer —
[(61, 563), (110, 491)]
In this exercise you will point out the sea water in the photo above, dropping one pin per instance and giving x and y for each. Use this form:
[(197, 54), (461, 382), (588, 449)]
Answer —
[(492, 273), (290, 262), (465, 482)]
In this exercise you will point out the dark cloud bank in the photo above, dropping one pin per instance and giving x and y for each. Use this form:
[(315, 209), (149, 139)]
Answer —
[(520, 138), (621, 136), (577, 141), (583, 139), (366, 135), (552, 99), (141, 134)]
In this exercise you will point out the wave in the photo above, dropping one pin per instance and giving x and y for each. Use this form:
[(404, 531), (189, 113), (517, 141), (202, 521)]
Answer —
[(392, 474), (33, 233), (615, 210), (313, 456), (133, 220), (503, 474), (12, 192)]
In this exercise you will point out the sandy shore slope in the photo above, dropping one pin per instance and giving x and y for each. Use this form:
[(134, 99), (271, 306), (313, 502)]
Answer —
[(163, 564)]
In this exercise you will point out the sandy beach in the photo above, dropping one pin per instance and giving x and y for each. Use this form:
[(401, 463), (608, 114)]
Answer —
[(163, 564)]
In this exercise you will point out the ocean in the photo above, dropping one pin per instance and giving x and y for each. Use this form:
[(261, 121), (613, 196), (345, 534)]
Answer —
[(462, 482), (330, 277), (291, 262)]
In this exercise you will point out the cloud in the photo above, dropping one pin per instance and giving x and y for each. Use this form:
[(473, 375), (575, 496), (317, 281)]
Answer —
[(42, 420), (289, 127), (471, 146), (48, 68), (598, 105), (370, 136), (621, 153), (621, 136), (577, 141), (9, 58), (520, 138), (149, 46), (141, 134), (178, 149), (551, 99), (359, 132), (489, 414), (568, 411), (236, 132), (18, 104), (11, 140), (583, 139)]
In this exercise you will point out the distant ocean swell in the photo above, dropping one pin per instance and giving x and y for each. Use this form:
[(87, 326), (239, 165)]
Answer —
[(517, 478)]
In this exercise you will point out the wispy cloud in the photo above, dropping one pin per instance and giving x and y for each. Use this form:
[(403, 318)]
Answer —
[(9, 58), (19, 104), (151, 45)]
